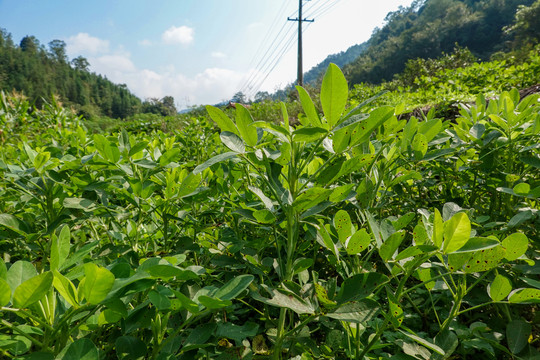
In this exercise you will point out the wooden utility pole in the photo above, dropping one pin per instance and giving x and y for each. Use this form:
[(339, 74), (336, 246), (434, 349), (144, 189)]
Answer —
[(300, 77)]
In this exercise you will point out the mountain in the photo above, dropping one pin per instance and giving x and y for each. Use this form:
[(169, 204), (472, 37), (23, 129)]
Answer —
[(428, 28), (340, 59)]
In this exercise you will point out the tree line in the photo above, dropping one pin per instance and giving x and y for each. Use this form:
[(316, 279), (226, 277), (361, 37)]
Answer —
[(39, 72)]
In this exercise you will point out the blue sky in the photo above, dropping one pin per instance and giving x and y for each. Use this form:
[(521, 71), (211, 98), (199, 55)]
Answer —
[(198, 51)]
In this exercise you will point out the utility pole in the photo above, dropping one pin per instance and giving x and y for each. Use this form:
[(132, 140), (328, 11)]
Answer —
[(300, 79)]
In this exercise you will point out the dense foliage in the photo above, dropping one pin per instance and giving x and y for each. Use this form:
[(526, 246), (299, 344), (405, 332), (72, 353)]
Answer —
[(354, 234)]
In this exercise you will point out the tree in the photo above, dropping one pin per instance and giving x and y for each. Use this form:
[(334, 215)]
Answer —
[(239, 97), (526, 26), (57, 49), (29, 44), (261, 96), (80, 63)]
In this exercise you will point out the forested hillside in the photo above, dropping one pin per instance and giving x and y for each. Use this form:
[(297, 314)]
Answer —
[(341, 59), (430, 27), (39, 72)]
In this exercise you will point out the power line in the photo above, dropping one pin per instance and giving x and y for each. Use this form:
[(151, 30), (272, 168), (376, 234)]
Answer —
[(269, 54)]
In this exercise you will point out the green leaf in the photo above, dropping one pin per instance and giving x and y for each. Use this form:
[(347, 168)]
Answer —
[(32, 290), (189, 184), (41, 159), (448, 341), (322, 296), (309, 134), (341, 193), (216, 159), (419, 146), (234, 287), (233, 142), (81, 349), (187, 303), (301, 265), (264, 216), (520, 218), (79, 203), (130, 348), (5, 293), (355, 312), (396, 312), (138, 147), (343, 225), (281, 300), (223, 121), (364, 128), (12, 223), (358, 242), (97, 283), (19, 273), (244, 122), (527, 295), (478, 243), (360, 286), (438, 229), (60, 247), (515, 245), (420, 235), (430, 128), (309, 107), (341, 139), (265, 199), (198, 337), (160, 301), (310, 198), (522, 189), (236, 332), (517, 334), (485, 260), (169, 156), (457, 232), (213, 303), (390, 245), (166, 271), (424, 342), (65, 288), (403, 221), (499, 288), (334, 93)]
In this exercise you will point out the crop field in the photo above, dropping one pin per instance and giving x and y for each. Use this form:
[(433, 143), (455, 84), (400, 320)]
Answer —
[(357, 233)]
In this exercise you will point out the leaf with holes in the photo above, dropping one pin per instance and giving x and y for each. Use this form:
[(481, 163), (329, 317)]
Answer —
[(358, 242), (528, 295), (485, 260), (322, 296), (343, 225)]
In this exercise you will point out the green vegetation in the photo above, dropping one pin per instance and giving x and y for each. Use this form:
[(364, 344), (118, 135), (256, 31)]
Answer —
[(355, 234), (429, 27)]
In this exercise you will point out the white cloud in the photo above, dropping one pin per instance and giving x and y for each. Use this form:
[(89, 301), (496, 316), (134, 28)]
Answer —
[(115, 63), (182, 35), (218, 55), (145, 42), (84, 44)]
